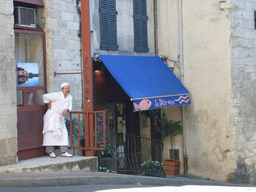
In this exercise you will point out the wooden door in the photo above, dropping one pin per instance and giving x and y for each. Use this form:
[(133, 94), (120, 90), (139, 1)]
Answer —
[(31, 85)]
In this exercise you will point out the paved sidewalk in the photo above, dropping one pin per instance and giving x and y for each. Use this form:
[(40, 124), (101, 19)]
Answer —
[(79, 170)]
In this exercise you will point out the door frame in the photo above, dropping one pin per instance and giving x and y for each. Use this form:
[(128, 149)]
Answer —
[(26, 152)]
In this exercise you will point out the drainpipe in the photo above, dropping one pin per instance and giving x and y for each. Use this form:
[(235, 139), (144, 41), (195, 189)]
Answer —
[(185, 157), (87, 64), (155, 28)]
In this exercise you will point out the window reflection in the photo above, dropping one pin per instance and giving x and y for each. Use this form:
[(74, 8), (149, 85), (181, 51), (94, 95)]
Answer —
[(30, 98)]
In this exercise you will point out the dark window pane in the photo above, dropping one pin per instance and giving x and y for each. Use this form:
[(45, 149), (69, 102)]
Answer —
[(20, 102), (40, 97)]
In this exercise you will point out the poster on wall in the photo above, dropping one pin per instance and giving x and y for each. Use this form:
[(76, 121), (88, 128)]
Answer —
[(27, 74)]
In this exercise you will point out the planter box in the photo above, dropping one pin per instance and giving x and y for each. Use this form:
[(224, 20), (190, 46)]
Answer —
[(171, 167)]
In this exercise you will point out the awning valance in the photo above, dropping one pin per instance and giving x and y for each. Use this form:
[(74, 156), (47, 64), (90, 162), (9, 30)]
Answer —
[(147, 81)]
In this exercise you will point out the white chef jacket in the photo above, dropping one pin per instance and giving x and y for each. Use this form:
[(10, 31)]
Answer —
[(55, 131)]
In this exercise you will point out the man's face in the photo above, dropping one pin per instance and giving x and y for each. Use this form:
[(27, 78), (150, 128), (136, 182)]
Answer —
[(65, 90)]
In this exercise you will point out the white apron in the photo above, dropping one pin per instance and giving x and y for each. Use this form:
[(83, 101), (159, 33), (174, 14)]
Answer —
[(55, 131)]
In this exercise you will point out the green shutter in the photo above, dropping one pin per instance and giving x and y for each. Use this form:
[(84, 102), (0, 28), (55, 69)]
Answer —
[(112, 27), (140, 26), (108, 30)]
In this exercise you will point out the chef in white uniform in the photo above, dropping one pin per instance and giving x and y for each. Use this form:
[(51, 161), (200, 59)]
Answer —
[(55, 132)]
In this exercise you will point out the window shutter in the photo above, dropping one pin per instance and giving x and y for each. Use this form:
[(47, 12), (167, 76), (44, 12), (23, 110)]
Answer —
[(112, 27), (108, 30), (104, 32), (140, 26), (144, 26), (136, 20)]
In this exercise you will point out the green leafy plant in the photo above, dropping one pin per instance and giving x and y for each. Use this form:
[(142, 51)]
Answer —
[(75, 130), (164, 126), (108, 152), (170, 128), (153, 168), (105, 170)]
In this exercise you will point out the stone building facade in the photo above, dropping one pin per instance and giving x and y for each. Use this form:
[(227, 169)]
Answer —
[(58, 22), (8, 123), (243, 68), (214, 42), (61, 21)]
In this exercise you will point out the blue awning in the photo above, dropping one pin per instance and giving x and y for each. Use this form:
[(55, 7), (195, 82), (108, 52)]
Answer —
[(147, 81)]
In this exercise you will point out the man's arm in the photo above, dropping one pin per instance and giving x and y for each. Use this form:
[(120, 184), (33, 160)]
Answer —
[(49, 97), (68, 110)]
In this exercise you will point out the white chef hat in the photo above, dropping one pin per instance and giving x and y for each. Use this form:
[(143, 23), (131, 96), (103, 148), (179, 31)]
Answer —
[(63, 85)]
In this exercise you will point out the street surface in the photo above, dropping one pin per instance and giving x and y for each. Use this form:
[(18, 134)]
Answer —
[(124, 188)]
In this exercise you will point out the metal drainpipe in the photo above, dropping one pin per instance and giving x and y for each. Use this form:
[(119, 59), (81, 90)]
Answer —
[(185, 162), (155, 28), (156, 45)]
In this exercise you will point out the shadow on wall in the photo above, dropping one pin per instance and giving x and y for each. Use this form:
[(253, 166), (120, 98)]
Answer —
[(241, 175)]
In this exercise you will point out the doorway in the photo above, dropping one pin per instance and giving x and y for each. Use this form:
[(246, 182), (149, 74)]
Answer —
[(31, 85)]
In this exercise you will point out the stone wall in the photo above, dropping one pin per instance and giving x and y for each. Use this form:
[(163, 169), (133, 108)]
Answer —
[(206, 56), (243, 72), (210, 138), (8, 109), (61, 21)]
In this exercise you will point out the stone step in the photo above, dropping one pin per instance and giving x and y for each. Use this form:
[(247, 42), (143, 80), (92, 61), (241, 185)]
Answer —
[(58, 164)]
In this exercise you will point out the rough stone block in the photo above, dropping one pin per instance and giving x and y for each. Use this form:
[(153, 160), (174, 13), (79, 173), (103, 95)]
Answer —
[(249, 14), (250, 69), (73, 26), (64, 66), (67, 16), (6, 7), (53, 23), (8, 151), (59, 44)]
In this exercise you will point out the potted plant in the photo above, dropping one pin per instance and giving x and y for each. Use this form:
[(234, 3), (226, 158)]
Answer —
[(170, 128), (166, 128), (153, 168), (108, 152)]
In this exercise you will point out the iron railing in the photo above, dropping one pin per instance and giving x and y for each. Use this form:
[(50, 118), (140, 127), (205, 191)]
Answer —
[(87, 130), (130, 152), (126, 153)]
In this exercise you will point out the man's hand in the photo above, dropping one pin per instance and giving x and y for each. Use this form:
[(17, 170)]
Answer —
[(49, 105), (65, 112)]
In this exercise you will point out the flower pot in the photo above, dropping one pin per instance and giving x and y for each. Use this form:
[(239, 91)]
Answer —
[(171, 167)]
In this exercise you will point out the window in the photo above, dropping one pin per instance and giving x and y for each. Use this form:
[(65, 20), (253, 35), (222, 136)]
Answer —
[(108, 30), (140, 25), (29, 56)]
